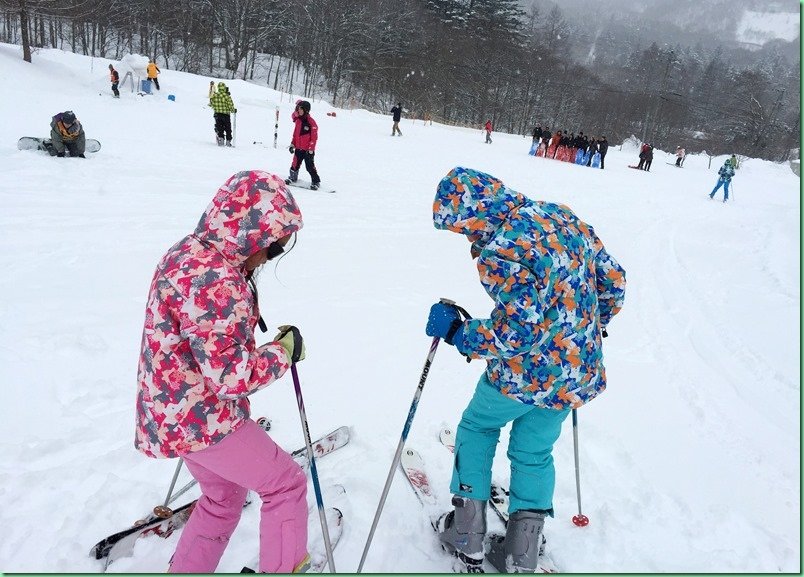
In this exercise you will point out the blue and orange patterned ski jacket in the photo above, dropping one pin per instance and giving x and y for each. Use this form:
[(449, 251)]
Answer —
[(554, 286)]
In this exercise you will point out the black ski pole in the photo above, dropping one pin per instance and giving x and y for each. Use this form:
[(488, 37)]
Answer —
[(405, 430), (580, 520)]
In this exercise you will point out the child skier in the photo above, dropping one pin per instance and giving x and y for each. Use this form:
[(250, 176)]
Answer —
[(726, 173), (488, 128), (199, 363), (302, 146), (555, 290), (221, 102)]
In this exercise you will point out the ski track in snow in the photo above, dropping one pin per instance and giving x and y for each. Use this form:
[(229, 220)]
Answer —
[(689, 461)]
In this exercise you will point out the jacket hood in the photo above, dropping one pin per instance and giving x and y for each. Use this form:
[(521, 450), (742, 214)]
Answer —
[(249, 212), (471, 202)]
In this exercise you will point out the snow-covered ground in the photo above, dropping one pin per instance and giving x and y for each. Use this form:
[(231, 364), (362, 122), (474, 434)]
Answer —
[(689, 461)]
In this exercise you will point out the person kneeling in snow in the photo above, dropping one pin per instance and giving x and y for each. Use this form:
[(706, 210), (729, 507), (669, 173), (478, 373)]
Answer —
[(555, 290), (66, 134), (199, 363)]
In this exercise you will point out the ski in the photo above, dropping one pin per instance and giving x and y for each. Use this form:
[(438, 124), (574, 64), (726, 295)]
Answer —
[(498, 501), (315, 546), (306, 186), (412, 466), (121, 544)]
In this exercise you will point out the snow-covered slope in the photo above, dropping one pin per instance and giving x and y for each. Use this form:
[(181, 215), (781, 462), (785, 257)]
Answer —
[(689, 461)]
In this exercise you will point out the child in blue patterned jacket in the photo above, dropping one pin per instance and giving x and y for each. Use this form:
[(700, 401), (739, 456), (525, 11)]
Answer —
[(555, 290), (725, 173)]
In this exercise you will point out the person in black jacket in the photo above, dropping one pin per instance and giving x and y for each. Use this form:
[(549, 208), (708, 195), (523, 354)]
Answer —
[(602, 148), (537, 133), (397, 112)]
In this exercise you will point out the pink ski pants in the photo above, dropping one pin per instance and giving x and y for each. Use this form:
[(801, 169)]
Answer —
[(246, 459)]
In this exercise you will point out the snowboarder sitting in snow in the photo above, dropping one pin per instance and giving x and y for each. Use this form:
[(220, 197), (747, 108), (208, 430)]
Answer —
[(66, 135), (726, 173), (302, 145), (221, 103), (555, 290), (200, 362)]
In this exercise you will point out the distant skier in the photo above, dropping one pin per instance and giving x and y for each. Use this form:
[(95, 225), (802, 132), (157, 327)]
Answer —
[(555, 290), (114, 77), (649, 157), (488, 127), (680, 154), (643, 156), (734, 164), (603, 148), (66, 135), (396, 111), (211, 89), (200, 361), (302, 146), (152, 71), (222, 105), (726, 173)]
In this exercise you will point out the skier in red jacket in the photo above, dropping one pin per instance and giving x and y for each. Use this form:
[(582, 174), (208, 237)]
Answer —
[(488, 128), (305, 136)]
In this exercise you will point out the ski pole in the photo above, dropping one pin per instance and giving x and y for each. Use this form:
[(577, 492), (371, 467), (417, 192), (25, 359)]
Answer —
[(405, 430), (234, 130), (310, 455), (164, 511), (580, 520)]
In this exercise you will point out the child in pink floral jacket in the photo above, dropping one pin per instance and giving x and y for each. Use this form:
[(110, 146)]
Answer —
[(199, 362)]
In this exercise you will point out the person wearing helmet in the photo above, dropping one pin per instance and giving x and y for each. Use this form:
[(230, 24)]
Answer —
[(66, 135), (302, 146), (222, 104)]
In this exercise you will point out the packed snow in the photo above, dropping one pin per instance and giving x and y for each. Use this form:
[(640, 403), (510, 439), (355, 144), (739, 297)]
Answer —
[(689, 462)]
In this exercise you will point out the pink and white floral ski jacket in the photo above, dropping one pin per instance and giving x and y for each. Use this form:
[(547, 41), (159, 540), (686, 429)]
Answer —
[(199, 360)]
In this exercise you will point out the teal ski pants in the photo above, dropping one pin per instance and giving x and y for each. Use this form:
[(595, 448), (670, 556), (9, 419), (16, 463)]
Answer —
[(530, 448)]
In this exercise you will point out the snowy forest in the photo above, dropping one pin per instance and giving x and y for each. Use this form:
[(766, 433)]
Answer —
[(459, 62)]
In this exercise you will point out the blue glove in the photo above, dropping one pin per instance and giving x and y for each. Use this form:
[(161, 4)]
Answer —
[(445, 322)]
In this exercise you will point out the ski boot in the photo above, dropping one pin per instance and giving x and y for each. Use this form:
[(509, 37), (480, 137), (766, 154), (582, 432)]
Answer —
[(519, 550), (219, 140), (229, 143), (294, 176), (461, 532), (315, 186)]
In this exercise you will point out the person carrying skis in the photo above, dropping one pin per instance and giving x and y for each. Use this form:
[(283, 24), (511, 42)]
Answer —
[(200, 362), (488, 128), (222, 105), (726, 173), (66, 134), (555, 290), (114, 77), (396, 111), (302, 146), (152, 71)]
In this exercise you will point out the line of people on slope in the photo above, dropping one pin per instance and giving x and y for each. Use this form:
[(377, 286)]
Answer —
[(578, 149)]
